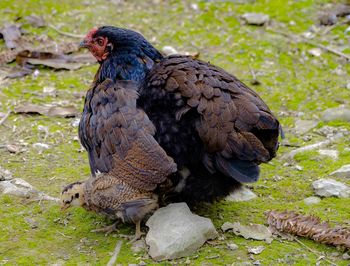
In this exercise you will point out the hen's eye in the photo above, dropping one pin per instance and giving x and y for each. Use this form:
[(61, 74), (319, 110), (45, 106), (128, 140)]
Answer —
[(100, 42)]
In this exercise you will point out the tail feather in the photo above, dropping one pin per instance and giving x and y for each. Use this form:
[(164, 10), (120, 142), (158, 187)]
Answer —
[(242, 171)]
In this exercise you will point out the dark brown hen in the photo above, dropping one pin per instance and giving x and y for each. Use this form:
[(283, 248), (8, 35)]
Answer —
[(210, 123), (215, 128)]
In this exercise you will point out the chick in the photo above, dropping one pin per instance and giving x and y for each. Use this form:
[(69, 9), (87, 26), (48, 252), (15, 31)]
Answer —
[(112, 197), (128, 164)]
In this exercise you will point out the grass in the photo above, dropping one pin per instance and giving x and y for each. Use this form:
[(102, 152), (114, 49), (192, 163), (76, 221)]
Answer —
[(293, 83)]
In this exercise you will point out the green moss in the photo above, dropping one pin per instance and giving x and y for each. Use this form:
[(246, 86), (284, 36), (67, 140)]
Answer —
[(292, 82)]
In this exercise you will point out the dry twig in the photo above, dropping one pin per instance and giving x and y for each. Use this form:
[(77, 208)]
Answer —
[(5, 117), (297, 38), (73, 35), (114, 257)]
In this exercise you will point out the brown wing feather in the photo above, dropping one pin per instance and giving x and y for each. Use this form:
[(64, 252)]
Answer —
[(232, 120), (119, 137)]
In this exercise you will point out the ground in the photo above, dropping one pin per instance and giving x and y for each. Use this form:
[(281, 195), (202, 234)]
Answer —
[(295, 84)]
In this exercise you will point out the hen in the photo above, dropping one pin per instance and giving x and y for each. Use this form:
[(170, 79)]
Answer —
[(123, 143), (215, 128)]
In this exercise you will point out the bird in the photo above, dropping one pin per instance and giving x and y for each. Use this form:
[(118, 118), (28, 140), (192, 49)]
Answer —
[(137, 163), (217, 129)]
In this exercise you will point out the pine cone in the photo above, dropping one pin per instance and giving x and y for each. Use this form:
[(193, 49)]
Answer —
[(308, 226)]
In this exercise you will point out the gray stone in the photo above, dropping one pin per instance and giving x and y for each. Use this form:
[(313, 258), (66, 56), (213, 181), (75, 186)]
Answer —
[(312, 200), (303, 126), (5, 174), (338, 113), (75, 122), (346, 256), (138, 245), (241, 194), (232, 246), (330, 187), (256, 250), (17, 187), (169, 50), (315, 52), (330, 153), (21, 188), (343, 172), (257, 19), (175, 232)]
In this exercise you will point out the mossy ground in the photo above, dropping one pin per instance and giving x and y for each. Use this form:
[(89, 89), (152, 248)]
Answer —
[(293, 83)]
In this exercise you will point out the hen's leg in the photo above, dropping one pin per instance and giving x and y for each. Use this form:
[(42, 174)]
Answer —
[(138, 232)]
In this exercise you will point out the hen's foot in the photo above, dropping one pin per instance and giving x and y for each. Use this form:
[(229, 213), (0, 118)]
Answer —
[(108, 229), (138, 233)]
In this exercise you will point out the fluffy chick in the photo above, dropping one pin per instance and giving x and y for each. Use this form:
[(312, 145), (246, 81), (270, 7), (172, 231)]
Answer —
[(112, 197)]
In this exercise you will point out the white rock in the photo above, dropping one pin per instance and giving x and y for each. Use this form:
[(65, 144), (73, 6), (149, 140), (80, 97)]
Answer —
[(330, 153), (256, 250), (241, 194), (17, 187), (21, 188), (138, 246), (50, 91), (258, 19), (41, 147), (232, 246), (75, 122), (315, 52), (5, 174), (298, 167), (303, 126), (330, 187), (175, 232), (169, 50), (338, 113), (346, 256), (344, 171), (194, 7), (312, 200)]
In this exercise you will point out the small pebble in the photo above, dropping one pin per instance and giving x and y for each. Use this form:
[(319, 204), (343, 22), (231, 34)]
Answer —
[(232, 246), (256, 250), (312, 200), (346, 256)]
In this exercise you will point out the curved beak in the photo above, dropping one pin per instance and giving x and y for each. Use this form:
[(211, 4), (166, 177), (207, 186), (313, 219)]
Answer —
[(83, 44)]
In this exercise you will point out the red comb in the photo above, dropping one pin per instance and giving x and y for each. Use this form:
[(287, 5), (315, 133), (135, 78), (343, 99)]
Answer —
[(91, 33)]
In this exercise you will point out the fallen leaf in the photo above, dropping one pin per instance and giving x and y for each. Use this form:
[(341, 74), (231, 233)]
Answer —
[(18, 72), (68, 111), (54, 60), (11, 33), (253, 231), (35, 21), (28, 108), (54, 111)]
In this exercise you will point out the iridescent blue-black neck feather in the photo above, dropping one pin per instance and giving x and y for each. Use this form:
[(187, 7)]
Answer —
[(131, 55)]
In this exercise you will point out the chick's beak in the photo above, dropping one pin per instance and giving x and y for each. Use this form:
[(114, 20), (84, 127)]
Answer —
[(64, 207)]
